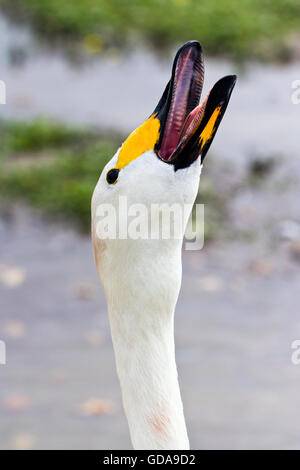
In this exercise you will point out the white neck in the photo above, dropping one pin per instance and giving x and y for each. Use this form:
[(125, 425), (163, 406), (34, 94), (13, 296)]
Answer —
[(141, 279), (142, 326)]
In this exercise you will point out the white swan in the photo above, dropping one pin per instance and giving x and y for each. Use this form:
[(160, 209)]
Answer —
[(158, 163)]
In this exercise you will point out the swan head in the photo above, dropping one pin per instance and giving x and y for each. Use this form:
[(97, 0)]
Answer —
[(160, 162)]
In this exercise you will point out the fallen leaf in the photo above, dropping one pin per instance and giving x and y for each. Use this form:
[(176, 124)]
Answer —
[(85, 290), (15, 329), (22, 102), (295, 250), (97, 407), (16, 403), (23, 442), (261, 267), (211, 283), (58, 375), (11, 276), (94, 338)]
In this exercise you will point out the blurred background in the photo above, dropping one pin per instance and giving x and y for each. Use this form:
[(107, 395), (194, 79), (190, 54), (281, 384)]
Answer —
[(79, 76)]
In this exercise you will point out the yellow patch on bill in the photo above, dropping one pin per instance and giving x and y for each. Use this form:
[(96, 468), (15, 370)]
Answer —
[(208, 130), (139, 141)]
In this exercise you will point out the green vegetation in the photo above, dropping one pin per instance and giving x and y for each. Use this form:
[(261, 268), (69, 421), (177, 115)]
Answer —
[(53, 167), (240, 28), (38, 135)]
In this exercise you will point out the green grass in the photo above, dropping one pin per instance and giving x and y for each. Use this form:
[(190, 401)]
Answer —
[(239, 28), (38, 134), (52, 167)]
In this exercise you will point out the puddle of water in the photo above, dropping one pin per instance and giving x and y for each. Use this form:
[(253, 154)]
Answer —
[(120, 92)]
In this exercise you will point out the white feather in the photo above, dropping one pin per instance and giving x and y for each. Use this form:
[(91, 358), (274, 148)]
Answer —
[(141, 280)]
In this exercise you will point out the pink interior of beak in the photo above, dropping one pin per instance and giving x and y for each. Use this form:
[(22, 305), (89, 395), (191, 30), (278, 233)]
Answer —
[(192, 121), (186, 91)]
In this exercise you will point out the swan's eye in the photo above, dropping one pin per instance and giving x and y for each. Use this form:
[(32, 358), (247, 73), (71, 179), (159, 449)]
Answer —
[(112, 175)]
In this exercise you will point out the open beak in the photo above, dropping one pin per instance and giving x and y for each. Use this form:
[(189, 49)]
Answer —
[(179, 129), (187, 128)]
